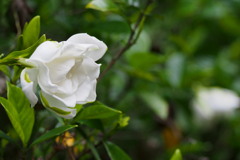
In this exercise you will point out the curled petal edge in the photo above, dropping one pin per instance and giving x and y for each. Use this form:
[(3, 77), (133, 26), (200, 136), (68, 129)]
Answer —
[(84, 38), (66, 112)]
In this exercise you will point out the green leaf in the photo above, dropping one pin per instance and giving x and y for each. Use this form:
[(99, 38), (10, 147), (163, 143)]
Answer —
[(147, 61), (19, 45), (12, 58), (124, 121), (103, 5), (16, 74), (93, 123), (175, 68), (6, 70), (156, 103), (115, 121), (31, 32), (190, 44), (5, 136), (19, 112), (177, 155), (97, 111), (115, 152), (142, 45), (146, 75), (52, 133), (101, 117)]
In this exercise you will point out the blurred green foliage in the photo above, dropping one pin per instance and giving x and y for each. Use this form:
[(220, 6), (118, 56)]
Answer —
[(183, 44)]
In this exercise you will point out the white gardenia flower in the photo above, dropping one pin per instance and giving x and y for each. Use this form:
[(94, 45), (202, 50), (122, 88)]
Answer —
[(65, 72), (210, 102)]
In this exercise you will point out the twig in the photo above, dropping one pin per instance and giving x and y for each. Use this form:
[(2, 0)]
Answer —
[(134, 35), (21, 12), (17, 23)]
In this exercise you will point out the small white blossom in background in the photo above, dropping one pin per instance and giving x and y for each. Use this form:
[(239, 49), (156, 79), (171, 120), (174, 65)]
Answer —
[(66, 73), (211, 102)]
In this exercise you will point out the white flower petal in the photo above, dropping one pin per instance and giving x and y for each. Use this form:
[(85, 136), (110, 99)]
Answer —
[(223, 100), (213, 101), (69, 116), (28, 88), (62, 111), (76, 50), (86, 92), (46, 51), (92, 94), (32, 73), (84, 38), (44, 80), (59, 68), (66, 87), (90, 68), (60, 101), (71, 113)]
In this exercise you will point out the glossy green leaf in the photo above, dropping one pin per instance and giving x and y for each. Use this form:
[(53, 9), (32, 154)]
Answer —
[(103, 5), (31, 32), (97, 111), (115, 152), (107, 124), (12, 58), (19, 112), (177, 155), (52, 133), (156, 103), (101, 117)]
